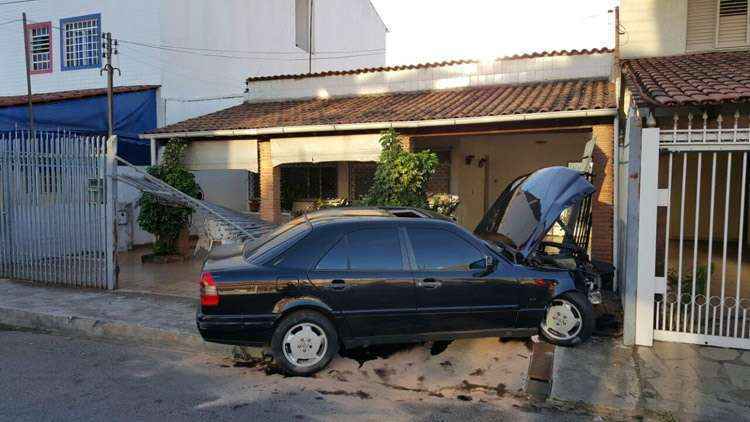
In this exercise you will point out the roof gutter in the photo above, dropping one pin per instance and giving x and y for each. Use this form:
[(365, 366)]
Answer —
[(384, 125)]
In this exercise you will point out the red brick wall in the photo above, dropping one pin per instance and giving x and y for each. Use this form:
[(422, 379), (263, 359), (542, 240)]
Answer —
[(270, 184), (602, 205)]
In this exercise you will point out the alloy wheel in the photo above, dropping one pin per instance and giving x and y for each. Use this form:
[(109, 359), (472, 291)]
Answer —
[(563, 321), (305, 344)]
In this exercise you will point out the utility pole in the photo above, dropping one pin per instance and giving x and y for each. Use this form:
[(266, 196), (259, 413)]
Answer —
[(26, 46), (310, 53), (108, 53)]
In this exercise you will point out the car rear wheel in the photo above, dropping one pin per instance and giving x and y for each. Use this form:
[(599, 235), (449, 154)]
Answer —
[(569, 320), (304, 342)]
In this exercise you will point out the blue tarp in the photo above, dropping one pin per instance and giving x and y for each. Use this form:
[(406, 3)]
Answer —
[(135, 113)]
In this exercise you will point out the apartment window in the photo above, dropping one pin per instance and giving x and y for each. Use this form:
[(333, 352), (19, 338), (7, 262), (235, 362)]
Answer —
[(40, 47), (715, 24), (732, 30), (80, 42)]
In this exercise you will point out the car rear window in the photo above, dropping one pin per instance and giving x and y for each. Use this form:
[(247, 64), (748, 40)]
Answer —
[(288, 233), (365, 250)]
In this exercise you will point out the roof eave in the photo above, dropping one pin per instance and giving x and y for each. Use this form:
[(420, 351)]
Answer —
[(385, 125)]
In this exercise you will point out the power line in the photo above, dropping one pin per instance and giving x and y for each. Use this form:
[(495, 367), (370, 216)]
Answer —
[(9, 22), (267, 52), (209, 52), (16, 1), (163, 67), (226, 56)]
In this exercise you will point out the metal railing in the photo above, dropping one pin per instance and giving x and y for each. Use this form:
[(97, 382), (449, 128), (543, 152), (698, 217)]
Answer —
[(53, 205), (704, 165)]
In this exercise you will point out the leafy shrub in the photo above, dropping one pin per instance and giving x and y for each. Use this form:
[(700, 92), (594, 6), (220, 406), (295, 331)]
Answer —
[(686, 287), (443, 203), (401, 176), (166, 222)]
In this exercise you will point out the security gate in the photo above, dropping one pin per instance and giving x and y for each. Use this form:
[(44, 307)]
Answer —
[(691, 283), (56, 206)]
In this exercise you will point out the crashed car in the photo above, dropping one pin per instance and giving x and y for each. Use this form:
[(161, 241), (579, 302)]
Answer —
[(351, 277)]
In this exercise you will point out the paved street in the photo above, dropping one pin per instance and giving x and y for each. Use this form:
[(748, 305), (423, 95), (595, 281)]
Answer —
[(52, 377)]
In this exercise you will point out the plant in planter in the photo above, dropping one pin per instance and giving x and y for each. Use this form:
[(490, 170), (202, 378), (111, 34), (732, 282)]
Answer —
[(443, 203), (167, 222), (401, 176)]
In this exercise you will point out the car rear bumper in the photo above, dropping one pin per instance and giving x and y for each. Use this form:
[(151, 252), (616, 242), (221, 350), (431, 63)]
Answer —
[(255, 330)]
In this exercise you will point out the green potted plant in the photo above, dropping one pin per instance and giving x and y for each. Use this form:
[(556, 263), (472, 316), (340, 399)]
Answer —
[(168, 223)]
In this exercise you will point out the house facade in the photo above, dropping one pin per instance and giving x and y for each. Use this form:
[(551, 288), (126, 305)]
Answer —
[(193, 54), (685, 106), (304, 136)]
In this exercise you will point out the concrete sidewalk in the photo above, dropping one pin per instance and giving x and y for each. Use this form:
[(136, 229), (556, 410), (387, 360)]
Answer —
[(155, 320), (672, 380)]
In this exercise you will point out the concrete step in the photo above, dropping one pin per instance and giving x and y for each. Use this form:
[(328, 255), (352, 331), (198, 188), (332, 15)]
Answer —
[(154, 320)]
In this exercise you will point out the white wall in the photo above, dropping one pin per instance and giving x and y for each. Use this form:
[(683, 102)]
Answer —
[(133, 19), (507, 71), (228, 188), (236, 35), (653, 27)]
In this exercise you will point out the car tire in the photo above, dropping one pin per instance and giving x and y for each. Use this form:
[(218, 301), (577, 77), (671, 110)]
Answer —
[(304, 342), (569, 320)]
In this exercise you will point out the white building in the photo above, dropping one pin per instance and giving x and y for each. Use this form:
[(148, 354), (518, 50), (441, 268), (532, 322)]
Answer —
[(178, 59), (200, 52)]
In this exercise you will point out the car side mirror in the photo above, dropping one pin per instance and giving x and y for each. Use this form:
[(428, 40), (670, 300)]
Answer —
[(486, 266)]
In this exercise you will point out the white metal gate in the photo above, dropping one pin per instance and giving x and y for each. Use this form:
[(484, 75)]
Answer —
[(693, 197), (56, 207)]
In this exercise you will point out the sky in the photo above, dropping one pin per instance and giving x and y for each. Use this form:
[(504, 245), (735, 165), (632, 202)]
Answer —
[(435, 30)]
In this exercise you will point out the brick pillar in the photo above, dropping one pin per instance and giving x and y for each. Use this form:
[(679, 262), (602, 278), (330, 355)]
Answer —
[(407, 143), (602, 209), (270, 184)]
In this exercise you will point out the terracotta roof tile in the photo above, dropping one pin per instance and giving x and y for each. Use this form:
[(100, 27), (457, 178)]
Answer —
[(582, 52), (690, 79), (70, 95), (492, 100)]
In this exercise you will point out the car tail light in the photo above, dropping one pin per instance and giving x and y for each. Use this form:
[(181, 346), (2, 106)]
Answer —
[(209, 292)]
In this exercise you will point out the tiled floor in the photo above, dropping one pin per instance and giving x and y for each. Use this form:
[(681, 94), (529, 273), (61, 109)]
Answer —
[(176, 278)]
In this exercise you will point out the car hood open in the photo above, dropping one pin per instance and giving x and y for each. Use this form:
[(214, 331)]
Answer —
[(526, 210)]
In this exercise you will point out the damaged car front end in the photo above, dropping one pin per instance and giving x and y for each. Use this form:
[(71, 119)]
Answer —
[(543, 220)]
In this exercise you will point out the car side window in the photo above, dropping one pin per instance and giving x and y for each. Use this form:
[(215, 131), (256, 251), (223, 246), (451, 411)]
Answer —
[(436, 249), (337, 257), (375, 249)]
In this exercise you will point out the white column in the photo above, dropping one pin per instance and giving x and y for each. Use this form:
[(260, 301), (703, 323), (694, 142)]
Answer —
[(648, 199)]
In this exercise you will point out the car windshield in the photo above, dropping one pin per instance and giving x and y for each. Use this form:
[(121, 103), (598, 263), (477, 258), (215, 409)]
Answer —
[(294, 229)]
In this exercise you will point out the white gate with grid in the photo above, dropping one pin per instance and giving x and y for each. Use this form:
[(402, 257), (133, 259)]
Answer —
[(57, 201), (691, 285)]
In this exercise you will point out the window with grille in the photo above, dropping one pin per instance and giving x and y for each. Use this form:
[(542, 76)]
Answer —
[(80, 40), (40, 47)]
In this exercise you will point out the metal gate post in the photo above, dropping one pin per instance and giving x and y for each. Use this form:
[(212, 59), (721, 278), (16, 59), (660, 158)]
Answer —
[(648, 200), (110, 180)]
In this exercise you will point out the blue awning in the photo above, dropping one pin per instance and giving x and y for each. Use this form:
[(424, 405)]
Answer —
[(134, 113)]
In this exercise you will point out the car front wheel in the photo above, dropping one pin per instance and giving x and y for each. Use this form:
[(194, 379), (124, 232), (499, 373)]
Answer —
[(304, 342), (569, 320)]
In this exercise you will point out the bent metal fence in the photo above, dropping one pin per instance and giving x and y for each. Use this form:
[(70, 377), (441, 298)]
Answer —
[(56, 208)]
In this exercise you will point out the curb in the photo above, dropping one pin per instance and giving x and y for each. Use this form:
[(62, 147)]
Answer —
[(120, 331)]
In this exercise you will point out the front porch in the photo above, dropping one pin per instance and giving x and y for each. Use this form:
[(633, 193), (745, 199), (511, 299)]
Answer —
[(475, 165)]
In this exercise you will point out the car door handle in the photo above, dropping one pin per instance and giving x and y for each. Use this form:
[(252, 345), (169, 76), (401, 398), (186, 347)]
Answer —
[(338, 284), (430, 283)]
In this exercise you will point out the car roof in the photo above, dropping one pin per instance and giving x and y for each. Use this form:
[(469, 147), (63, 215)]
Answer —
[(363, 214)]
